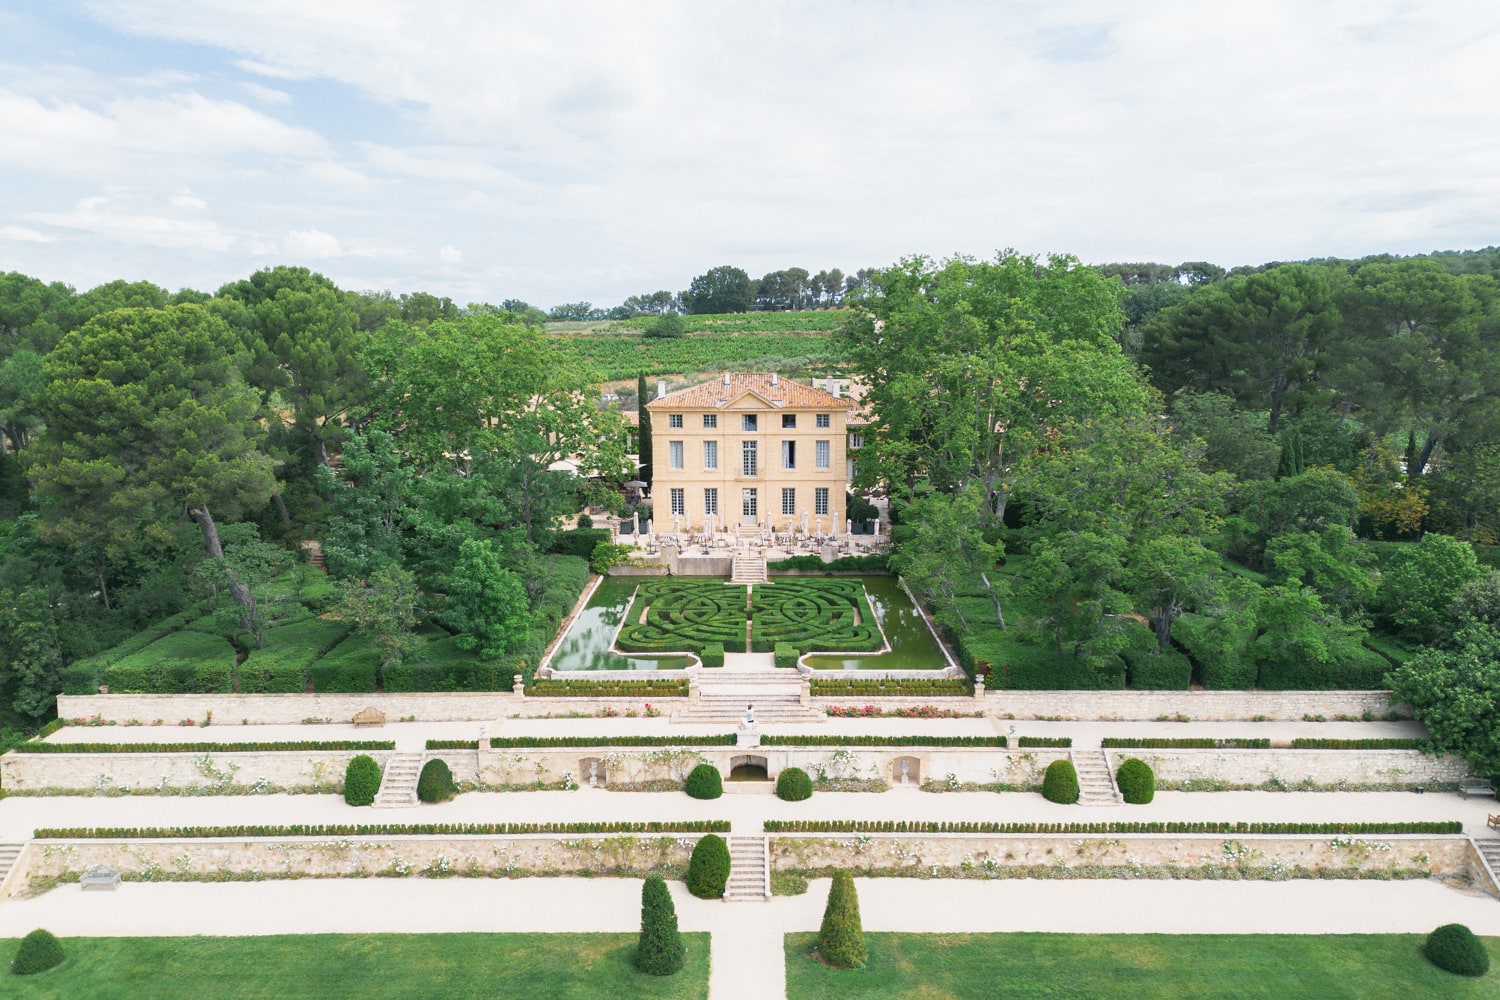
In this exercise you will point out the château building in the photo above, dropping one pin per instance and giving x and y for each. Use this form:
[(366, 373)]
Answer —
[(749, 448)]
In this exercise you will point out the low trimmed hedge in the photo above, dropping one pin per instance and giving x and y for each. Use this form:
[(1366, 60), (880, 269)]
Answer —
[(373, 830), (542, 742), (832, 740), (664, 688), (786, 654), (1371, 744), (712, 655), (1062, 742), (793, 785), (295, 745), (1183, 743), (351, 668), (1150, 670), (877, 564), (920, 826), (875, 688), (453, 744)]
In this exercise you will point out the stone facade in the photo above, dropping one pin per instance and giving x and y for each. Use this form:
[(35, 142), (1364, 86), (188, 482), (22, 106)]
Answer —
[(1199, 706), (1321, 767), (285, 709), (104, 771)]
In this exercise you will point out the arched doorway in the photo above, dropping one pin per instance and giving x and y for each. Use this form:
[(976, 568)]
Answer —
[(748, 767)]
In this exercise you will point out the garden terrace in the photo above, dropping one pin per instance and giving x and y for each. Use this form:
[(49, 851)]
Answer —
[(1206, 827), (374, 830), (285, 747), (674, 616)]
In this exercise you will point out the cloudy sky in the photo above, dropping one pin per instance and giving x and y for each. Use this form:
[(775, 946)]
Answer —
[(556, 151)]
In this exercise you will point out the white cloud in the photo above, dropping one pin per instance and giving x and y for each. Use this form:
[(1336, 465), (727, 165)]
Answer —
[(186, 199), (266, 95), (313, 244), (451, 254), (24, 235), (127, 220)]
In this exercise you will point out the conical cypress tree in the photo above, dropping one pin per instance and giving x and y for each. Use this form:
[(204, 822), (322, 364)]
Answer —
[(1290, 462), (841, 941), (643, 435), (661, 950)]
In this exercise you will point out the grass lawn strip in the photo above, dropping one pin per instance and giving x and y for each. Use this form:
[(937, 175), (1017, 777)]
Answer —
[(333, 966), (1131, 966)]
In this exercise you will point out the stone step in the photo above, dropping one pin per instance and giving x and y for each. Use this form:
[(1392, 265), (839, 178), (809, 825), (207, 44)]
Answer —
[(747, 870), (1096, 786), (8, 855), (398, 786)]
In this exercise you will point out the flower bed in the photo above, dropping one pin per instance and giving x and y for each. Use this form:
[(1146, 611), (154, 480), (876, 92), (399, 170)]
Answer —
[(906, 712), (292, 746)]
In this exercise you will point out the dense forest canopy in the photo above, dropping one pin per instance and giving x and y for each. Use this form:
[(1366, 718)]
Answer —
[(1272, 476)]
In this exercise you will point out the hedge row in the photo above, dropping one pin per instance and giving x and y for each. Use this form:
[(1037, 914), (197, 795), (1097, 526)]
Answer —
[(893, 826), (37, 747), (453, 744), (1153, 670), (374, 829), (843, 564), (669, 688), (1372, 744), (1045, 741), (825, 740), (1185, 743), (877, 688), (543, 742)]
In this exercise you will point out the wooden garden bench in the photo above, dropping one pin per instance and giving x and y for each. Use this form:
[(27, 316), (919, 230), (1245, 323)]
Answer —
[(1476, 786), (1494, 821), (369, 717), (101, 877)]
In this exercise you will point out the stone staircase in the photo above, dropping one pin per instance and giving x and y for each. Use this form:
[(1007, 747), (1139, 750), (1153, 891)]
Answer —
[(1096, 785), (9, 854), (1488, 847), (398, 786), (749, 870), (748, 569), (724, 694)]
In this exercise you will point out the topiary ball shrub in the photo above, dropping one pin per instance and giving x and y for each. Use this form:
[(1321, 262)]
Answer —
[(1137, 781), (708, 869), (1454, 947), (793, 785), (436, 782), (661, 951), (841, 939), (361, 780), (39, 952), (1060, 783), (704, 782)]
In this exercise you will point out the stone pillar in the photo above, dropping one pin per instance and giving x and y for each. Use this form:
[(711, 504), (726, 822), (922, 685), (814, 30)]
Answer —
[(804, 693), (518, 686), (979, 687)]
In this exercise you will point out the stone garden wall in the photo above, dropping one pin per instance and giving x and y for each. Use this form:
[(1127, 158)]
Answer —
[(284, 709), (1198, 706), (1322, 767), (104, 771)]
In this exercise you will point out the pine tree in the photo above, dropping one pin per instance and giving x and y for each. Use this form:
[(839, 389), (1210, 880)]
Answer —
[(841, 941), (661, 951), (644, 434)]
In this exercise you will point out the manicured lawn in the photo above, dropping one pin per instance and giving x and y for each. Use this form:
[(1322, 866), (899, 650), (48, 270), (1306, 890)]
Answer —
[(1129, 966), (363, 966)]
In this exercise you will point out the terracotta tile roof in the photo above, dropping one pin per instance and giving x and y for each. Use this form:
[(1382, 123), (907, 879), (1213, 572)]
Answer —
[(717, 393)]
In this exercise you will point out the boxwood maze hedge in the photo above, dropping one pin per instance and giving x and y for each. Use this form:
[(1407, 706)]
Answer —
[(814, 615), (684, 616), (372, 829), (204, 747), (1297, 829)]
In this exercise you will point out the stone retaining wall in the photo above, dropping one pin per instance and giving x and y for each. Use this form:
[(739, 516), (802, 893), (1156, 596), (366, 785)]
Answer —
[(1198, 706), (1323, 767), (284, 709), (1448, 856), (103, 771), (354, 857)]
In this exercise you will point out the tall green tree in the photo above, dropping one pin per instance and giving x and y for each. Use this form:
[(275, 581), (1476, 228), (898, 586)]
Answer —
[(369, 497), (723, 289), (1421, 582), (148, 416), (643, 431), (947, 553), (383, 608), (1455, 692), (30, 652), (486, 603)]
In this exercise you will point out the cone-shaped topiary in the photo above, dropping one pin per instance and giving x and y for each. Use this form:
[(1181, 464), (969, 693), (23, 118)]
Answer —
[(1455, 948), (708, 869), (704, 782), (39, 952), (1137, 781), (436, 782), (841, 940), (1060, 783), (361, 780), (793, 785), (661, 951)]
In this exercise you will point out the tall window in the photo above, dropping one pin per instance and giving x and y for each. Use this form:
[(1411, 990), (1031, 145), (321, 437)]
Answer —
[(747, 422), (822, 420), (710, 454), (856, 441), (789, 420), (679, 507), (710, 421), (788, 454), (674, 420), (788, 500), (820, 500), (711, 500), (674, 454), (748, 458), (820, 454)]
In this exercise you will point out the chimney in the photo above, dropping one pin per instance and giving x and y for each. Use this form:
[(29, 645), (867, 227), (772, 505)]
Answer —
[(661, 389), (835, 387), (775, 379), (726, 378)]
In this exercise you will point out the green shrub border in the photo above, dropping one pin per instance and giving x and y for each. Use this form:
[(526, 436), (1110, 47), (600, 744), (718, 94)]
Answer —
[(871, 687), (1370, 744), (1183, 743), (372, 830), (1056, 742), (918, 826), (883, 741), (295, 745), (542, 742), (660, 688)]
